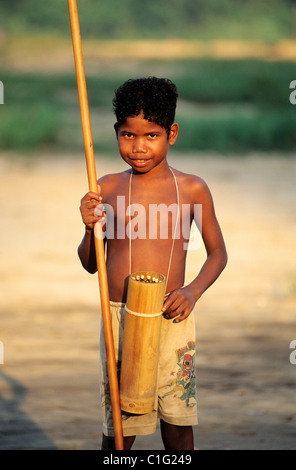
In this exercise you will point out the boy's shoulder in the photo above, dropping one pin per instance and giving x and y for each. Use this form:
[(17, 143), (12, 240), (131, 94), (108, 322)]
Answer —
[(191, 183), (110, 182), (114, 177)]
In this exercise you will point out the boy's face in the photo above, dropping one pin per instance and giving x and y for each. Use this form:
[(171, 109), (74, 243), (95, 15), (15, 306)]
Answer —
[(144, 144)]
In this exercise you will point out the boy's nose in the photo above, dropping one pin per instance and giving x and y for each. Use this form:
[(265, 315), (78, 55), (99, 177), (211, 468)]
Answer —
[(139, 146)]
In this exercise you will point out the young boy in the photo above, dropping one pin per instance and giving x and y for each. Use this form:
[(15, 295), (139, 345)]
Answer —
[(145, 129)]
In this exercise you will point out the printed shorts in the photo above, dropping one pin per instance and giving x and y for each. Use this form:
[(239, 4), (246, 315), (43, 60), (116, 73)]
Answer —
[(176, 401)]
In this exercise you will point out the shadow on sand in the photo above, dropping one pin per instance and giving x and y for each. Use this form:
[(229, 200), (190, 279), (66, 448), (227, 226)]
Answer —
[(17, 430)]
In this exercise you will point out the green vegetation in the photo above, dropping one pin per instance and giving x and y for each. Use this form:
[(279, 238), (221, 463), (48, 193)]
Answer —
[(225, 106), (28, 128), (267, 20), (240, 106), (239, 133)]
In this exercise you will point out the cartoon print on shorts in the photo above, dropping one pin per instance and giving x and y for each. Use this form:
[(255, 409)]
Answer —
[(184, 381)]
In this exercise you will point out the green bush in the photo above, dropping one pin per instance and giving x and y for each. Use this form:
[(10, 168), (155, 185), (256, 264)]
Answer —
[(258, 82), (226, 106), (27, 127), (207, 19), (238, 133)]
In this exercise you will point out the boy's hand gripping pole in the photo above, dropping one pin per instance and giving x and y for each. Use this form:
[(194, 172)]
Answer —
[(99, 242)]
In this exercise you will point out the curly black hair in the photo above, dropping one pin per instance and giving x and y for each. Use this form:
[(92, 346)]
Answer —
[(155, 97)]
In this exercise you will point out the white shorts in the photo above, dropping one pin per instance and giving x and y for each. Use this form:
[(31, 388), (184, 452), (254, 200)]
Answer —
[(176, 402)]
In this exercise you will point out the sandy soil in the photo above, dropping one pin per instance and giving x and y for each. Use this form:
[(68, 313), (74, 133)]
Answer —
[(50, 307)]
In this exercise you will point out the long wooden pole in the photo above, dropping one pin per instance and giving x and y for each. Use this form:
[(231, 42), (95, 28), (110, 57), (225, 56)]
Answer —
[(99, 242)]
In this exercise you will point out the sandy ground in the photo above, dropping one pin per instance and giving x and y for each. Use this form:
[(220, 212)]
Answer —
[(50, 307)]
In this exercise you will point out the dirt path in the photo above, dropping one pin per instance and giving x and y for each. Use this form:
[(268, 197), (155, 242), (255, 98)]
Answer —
[(50, 308)]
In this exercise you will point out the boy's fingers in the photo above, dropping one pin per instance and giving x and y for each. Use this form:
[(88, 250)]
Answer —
[(91, 205), (166, 302), (182, 317), (90, 196), (176, 310), (171, 298), (99, 210), (95, 197)]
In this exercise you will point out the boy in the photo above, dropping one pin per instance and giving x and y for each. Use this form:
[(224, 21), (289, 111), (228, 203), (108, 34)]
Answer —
[(145, 129)]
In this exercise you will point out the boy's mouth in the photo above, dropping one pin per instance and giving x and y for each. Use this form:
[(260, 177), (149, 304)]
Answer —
[(140, 162)]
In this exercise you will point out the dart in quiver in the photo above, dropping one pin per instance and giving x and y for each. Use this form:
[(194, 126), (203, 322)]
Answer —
[(140, 347)]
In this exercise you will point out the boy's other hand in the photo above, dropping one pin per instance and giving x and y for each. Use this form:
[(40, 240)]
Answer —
[(179, 303), (92, 209)]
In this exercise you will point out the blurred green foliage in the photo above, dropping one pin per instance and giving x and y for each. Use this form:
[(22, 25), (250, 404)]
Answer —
[(28, 128), (225, 106), (239, 133), (262, 83), (207, 19)]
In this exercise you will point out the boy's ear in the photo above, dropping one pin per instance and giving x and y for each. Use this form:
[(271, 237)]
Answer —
[(173, 133), (116, 127)]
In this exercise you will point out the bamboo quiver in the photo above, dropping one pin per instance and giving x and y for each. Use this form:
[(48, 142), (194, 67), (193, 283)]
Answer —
[(140, 348)]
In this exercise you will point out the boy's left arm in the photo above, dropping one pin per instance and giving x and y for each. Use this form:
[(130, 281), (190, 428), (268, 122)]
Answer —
[(181, 302)]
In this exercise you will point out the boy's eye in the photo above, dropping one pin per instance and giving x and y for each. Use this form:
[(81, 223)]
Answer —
[(127, 135), (152, 136)]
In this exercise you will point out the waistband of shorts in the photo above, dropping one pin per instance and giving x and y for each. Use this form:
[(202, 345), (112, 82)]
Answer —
[(116, 304), (112, 303)]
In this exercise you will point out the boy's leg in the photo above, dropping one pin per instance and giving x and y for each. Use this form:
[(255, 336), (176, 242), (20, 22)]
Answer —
[(176, 437), (108, 442), (177, 384)]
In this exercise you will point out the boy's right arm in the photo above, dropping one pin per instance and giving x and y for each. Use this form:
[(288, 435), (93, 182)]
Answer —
[(86, 249)]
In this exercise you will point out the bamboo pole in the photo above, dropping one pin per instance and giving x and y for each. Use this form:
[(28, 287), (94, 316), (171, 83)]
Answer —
[(99, 242)]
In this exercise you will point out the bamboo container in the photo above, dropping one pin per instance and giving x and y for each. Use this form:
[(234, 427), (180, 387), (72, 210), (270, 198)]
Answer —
[(140, 348)]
